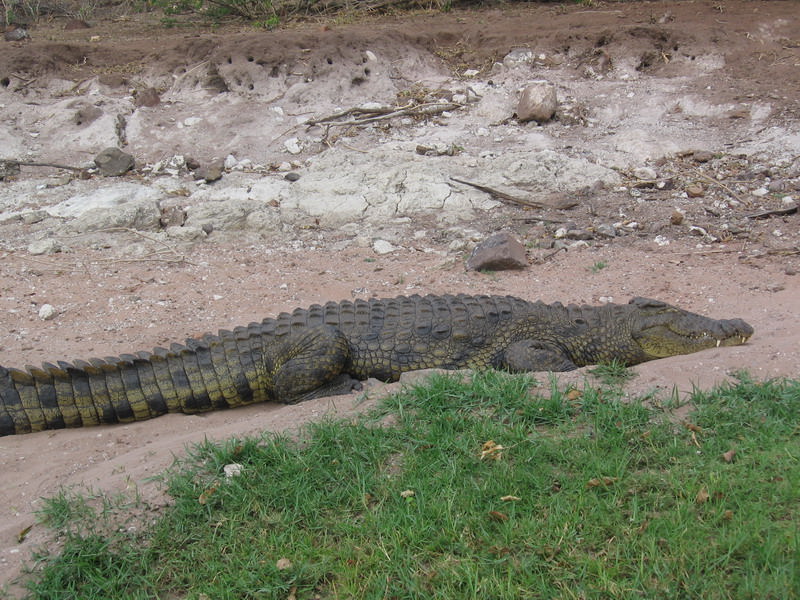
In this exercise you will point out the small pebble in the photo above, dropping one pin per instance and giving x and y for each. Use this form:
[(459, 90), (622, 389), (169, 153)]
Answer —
[(695, 190), (645, 173), (702, 156), (382, 247), (676, 218), (47, 312)]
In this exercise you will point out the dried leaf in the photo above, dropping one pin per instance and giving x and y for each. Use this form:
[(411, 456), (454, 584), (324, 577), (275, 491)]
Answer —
[(693, 427), (728, 456), (694, 439), (282, 564), (207, 493), (407, 494), (574, 394), (702, 496), (292, 593), (601, 482), (727, 515), (510, 498), (491, 450), (495, 515)]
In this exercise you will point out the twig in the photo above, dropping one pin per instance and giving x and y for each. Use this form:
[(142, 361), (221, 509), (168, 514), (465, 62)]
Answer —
[(383, 113), (25, 163), (551, 255), (778, 212), (528, 218), (178, 257), (722, 185), (501, 195)]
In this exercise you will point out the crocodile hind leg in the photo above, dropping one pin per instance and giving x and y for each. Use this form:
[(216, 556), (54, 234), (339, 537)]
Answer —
[(534, 355), (312, 363)]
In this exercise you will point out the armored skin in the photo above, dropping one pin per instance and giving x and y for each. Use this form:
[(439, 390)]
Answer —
[(324, 350)]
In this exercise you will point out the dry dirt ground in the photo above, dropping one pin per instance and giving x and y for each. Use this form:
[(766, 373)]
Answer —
[(115, 303)]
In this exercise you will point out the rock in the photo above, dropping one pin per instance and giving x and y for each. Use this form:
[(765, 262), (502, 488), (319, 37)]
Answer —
[(34, 216), (128, 205), (292, 176), (606, 230), (86, 115), (185, 234), (8, 168), (498, 252), (518, 57), (48, 246), (702, 156), (230, 162), (47, 312), (437, 150), (113, 162), (148, 97), (229, 215), (293, 146), (779, 185), (174, 216), (17, 34), (578, 234), (538, 102), (676, 218), (210, 172), (645, 173), (695, 190), (383, 247)]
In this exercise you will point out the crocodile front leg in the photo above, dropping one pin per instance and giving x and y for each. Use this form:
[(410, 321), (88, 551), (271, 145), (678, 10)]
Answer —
[(527, 356)]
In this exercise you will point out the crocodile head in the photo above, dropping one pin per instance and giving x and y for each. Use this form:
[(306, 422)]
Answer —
[(661, 330)]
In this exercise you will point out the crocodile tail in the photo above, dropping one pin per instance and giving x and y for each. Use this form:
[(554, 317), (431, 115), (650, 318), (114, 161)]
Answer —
[(217, 371)]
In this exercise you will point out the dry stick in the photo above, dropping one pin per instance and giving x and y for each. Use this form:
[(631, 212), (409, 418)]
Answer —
[(24, 163), (723, 186), (167, 247), (775, 212), (386, 113), (178, 258), (501, 195)]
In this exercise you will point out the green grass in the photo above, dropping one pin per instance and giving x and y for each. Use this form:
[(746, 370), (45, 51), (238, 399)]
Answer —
[(597, 266), (613, 373), (467, 489)]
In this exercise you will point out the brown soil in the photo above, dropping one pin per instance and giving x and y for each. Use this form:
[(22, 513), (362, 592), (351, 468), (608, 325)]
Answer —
[(109, 306)]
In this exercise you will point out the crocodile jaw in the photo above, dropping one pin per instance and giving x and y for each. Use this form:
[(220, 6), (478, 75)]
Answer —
[(671, 338)]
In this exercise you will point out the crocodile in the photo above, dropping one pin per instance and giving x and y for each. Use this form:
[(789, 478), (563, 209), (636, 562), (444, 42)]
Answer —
[(327, 349)]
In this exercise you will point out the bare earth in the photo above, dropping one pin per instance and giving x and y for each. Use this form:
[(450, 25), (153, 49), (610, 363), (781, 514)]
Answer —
[(110, 303)]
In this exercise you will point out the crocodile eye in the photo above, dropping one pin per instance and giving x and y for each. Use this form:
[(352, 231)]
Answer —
[(580, 321)]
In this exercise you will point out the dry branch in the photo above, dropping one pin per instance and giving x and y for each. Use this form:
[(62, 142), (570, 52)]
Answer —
[(364, 115), (502, 195)]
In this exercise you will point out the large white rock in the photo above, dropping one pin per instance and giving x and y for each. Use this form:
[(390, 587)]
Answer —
[(118, 205)]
